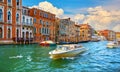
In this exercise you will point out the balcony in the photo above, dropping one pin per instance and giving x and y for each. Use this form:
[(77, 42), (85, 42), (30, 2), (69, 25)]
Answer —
[(18, 7), (18, 23), (27, 24), (9, 4), (9, 22)]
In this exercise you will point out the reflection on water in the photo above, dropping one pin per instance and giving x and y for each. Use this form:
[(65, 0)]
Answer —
[(33, 58)]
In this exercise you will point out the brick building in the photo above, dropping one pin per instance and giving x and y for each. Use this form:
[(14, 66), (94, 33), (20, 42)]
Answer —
[(10, 19), (44, 24)]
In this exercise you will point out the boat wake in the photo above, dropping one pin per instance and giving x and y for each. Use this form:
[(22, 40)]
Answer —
[(16, 57)]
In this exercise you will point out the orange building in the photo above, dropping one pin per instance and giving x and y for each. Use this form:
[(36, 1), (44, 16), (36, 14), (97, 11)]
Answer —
[(85, 32), (10, 19), (44, 25), (108, 34)]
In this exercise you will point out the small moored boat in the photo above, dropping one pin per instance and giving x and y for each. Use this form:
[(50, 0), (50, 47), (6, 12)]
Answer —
[(63, 51), (47, 43), (112, 44)]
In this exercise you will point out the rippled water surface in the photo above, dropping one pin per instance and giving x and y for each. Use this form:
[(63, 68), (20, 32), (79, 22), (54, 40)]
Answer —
[(33, 58)]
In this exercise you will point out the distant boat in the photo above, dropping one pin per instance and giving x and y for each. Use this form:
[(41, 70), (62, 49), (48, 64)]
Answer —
[(95, 38), (47, 43), (63, 51), (112, 44)]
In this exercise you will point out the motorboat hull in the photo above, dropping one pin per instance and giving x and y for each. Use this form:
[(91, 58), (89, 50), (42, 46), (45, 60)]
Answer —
[(111, 46), (70, 53)]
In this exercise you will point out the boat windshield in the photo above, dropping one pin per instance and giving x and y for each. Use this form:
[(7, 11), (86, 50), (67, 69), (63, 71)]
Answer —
[(62, 47)]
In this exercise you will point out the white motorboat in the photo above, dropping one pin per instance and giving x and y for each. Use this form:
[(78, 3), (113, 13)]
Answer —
[(64, 51), (112, 44)]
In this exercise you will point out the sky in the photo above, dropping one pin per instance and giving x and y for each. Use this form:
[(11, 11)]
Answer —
[(100, 14)]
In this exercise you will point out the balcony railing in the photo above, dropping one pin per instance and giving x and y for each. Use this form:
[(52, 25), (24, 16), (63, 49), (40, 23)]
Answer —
[(9, 4), (9, 22), (18, 7), (27, 24), (18, 22)]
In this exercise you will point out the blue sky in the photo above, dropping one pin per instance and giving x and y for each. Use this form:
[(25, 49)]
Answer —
[(67, 4), (101, 14)]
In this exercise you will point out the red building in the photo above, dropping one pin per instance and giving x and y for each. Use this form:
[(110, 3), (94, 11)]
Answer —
[(108, 34), (44, 24), (10, 19)]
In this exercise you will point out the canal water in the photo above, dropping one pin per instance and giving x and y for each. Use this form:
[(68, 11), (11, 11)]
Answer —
[(33, 58)]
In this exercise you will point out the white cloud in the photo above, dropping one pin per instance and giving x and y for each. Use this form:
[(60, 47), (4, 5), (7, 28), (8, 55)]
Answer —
[(117, 28), (47, 6), (100, 18), (79, 17)]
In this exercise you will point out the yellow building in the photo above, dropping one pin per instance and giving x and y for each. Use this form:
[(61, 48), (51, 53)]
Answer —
[(118, 36), (85, 32)]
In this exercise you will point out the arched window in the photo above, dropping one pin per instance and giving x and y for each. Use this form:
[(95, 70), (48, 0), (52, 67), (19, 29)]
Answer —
[(9, 33), (17, 1), (17, 17), (27, 35), (1, 32), (23, 19), (23, 35), (1, 14), (30, 35), (9, 16)]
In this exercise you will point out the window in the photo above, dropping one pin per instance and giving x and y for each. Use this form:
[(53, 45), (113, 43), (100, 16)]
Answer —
[(1, 15), (40, 21), (24, 11), (39, 30), (23, 34), (35, 12), (27, 21), (30, 35), (17, 17), (17, 1), (30, 20), (42, 30), (9, 1), (9, 16), (34, 20), (46, 23), (23, 19), (17, 33), (1, 33), (34, 30), (45, 30), (9, 33)]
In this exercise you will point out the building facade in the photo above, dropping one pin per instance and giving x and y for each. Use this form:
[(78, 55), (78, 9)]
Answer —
[(85, 32), (10, 19), (27, 25), (77, 33), (44, 25), (108, 34), (118, 36)]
